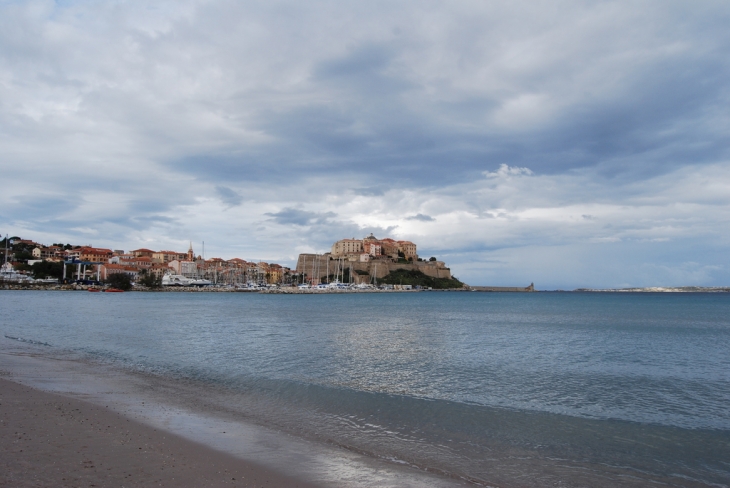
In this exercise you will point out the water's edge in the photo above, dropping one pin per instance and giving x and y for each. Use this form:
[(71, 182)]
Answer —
[(191, 411)]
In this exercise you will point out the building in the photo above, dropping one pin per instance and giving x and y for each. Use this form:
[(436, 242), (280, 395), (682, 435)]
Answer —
[(408, 249), (168, 256), (158, 270), (189, 269), (95, 254), (346, 247), (142, 252), (385, 248), (106, 270)]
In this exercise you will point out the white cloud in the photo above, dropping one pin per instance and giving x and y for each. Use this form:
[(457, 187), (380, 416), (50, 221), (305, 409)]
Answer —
[(506, 171)]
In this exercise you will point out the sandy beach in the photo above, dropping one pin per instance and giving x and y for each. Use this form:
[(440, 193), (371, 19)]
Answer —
[(69, 422), (52, 440)]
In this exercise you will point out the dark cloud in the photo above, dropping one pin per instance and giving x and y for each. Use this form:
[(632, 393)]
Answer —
[(228, 196), (372, 191), (31, 207), (294, 216), (421, 217)]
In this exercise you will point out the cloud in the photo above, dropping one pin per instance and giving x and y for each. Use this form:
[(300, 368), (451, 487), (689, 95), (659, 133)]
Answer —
[(293, 216), (421, 217), (487, 132), (369, 192), (505, 171), (228, 196)]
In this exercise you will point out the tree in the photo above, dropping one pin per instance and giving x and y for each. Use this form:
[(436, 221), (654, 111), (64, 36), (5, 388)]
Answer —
[(119, 280), (417, 278), (47, 268), (150, 281), (432, 258)]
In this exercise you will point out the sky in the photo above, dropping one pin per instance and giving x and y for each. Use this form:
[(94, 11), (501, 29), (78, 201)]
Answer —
[(569, 144)]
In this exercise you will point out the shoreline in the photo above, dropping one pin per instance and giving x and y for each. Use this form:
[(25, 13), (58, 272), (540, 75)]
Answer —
[(177, 289), (296, 291), (162, 408), (50, 439)]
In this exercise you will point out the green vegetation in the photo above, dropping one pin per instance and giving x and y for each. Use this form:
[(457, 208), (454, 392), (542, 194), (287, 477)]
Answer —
[(150, 281), (413, 277), (120, 280), (47, 268)]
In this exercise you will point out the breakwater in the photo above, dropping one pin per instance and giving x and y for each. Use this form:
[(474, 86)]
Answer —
[(511, 289)]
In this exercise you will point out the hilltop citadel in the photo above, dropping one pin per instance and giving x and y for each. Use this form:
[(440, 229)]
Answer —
[(368, 260)]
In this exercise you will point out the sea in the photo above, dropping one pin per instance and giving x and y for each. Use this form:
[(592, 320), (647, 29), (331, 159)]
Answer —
[(493, 389)]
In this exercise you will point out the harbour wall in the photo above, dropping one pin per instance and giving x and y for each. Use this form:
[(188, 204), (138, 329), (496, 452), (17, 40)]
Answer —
[(513, 289)]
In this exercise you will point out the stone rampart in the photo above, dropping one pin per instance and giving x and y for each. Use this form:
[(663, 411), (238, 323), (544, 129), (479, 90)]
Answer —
[(317, 266)]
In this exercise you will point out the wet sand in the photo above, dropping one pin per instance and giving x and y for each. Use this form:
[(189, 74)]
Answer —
[(52, 440), (70, 422)]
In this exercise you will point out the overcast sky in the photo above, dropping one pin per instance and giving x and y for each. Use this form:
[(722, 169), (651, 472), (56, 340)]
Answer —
[(573, 144)]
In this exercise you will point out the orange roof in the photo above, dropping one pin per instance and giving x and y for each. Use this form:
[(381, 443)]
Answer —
[(95, 250), (143, 250)]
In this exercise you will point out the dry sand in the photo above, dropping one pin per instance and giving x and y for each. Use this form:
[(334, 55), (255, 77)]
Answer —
[(57, 441)]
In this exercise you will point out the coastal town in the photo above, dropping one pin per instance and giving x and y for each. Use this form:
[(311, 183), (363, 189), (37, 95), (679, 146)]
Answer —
[(366, 263)]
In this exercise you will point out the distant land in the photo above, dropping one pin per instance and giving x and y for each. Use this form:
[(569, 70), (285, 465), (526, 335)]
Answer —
[(661, 289)]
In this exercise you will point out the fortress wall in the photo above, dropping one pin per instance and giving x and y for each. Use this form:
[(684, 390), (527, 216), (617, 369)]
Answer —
[(309, 263)]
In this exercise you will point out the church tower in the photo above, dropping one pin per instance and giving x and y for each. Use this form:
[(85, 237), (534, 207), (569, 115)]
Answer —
[(191, 254)]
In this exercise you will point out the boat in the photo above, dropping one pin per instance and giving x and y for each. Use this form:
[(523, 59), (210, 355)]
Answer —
[(8, 273), (180, 280), (113, 290), (175, 280), (94, 290), (47, 280)]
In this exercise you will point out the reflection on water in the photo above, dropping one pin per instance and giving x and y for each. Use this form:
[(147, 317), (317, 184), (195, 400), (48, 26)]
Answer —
[(579, 389)]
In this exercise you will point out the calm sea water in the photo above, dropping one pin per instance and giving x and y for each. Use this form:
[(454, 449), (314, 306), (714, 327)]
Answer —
[(572, 389)]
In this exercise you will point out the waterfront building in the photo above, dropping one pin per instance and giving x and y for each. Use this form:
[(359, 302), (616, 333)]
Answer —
[(188, 269), (106, 270)]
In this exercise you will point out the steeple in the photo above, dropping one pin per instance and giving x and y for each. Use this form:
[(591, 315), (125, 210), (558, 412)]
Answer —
[(191, 254)]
